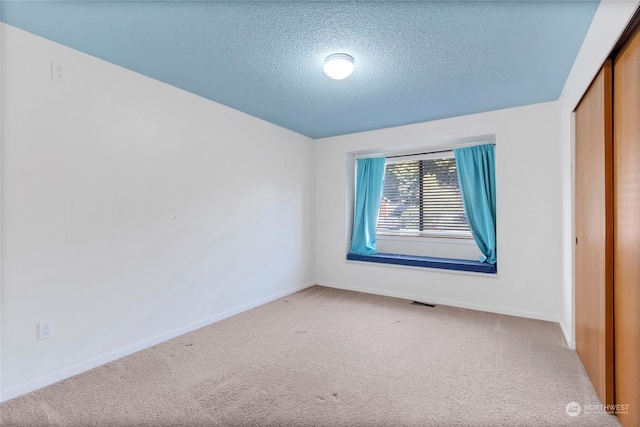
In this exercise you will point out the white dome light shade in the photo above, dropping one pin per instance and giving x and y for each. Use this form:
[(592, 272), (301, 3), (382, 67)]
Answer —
[(338, 66)]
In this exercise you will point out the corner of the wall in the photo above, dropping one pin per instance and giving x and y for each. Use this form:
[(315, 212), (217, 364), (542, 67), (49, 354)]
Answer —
[(567, 335)]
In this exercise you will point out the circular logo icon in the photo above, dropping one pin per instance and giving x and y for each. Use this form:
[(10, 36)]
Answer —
[(573, 409)]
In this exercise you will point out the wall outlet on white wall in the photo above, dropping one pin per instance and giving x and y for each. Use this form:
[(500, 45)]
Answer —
[(45, 330), (528, 284), (58, 71)]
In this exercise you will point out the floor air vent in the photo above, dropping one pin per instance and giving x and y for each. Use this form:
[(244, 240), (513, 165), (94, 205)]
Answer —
[(423, 304)]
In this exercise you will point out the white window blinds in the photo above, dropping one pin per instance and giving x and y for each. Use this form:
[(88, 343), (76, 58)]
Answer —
[(422, 197)]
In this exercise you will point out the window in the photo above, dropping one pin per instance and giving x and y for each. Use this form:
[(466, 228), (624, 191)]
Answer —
[(421, 196)]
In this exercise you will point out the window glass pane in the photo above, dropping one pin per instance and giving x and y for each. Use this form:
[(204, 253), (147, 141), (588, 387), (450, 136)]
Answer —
[(400, 209)]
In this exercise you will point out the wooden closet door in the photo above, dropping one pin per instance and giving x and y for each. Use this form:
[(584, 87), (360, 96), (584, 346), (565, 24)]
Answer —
[(594, 234), (627, 229)]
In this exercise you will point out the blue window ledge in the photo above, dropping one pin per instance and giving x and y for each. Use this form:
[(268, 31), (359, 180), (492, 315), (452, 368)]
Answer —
[(428, 262)]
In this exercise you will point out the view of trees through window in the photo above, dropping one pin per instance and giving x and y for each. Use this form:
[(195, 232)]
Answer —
[(422, 196)]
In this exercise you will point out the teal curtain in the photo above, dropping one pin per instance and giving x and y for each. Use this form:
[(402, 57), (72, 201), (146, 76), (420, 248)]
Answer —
[(369, 178), (477, 179)]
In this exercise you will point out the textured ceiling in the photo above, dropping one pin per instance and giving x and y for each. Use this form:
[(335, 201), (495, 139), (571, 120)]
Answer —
[(414, 61)]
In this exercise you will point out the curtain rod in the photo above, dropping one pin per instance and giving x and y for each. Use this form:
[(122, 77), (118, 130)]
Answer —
[(420, 154), (427, 152)]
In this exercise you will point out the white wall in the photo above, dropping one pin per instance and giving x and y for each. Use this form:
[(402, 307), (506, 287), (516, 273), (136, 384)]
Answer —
[(133, 211), (429, 246), (608, 24), (529, 203)]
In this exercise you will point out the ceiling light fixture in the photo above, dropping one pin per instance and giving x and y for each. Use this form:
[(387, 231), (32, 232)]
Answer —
[(338, 66)]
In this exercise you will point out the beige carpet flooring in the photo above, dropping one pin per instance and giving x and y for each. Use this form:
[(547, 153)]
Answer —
[(326, 357)]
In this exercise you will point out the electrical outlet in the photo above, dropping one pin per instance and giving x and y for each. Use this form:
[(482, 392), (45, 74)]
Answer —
[(45, 330), (528, 285), (58, 72)]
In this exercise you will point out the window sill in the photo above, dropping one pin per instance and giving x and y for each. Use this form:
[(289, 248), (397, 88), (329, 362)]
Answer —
[(427, 262), (426, 239), (436, 236)]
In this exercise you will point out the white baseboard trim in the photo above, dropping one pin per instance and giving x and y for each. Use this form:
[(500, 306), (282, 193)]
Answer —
[(452, 303), (567, 336), (109, 357)]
